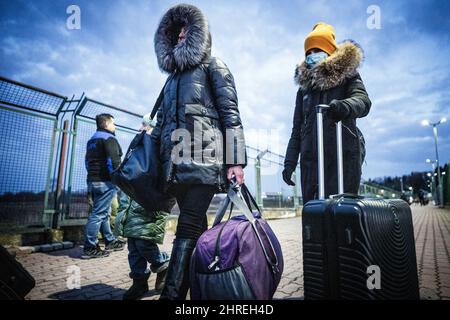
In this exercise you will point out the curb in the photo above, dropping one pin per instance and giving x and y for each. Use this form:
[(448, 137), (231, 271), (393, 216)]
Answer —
[(48, 247)]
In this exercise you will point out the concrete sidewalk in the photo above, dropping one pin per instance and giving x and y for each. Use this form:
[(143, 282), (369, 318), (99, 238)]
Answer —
[(107, 278)]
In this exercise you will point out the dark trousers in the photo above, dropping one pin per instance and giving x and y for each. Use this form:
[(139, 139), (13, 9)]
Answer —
[(141, 251), (193, 201)]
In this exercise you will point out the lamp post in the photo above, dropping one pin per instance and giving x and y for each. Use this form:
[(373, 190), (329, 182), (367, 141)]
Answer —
[(434, 125), (433, 181)]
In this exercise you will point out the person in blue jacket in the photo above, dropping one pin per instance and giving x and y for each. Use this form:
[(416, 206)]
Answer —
[(103, 155)]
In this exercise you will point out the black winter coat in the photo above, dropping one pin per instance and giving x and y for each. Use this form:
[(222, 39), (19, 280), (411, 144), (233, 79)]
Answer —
[(200, 99), (334, 81), (103, 155)]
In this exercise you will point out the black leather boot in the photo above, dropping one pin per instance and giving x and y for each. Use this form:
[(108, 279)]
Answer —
[(177, 279), (137, 289), (161, 274)]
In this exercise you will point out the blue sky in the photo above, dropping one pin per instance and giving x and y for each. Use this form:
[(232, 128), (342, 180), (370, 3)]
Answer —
[(111, 58)]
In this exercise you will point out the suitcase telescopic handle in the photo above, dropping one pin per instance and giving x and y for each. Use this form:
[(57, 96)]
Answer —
[(320, 109)]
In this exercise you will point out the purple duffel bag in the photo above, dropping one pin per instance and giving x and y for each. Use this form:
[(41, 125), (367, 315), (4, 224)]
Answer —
[(238, 259)]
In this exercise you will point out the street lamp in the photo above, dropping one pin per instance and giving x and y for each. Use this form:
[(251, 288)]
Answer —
[(434, 125), (432, 184), (431, 175)]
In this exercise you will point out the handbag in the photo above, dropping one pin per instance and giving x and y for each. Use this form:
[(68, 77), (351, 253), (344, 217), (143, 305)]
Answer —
[(139, 174)]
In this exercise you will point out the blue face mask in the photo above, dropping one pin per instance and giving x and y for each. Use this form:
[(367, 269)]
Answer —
[(314, 58)]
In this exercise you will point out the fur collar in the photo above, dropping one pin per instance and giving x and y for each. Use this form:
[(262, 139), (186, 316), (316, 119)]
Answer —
[(193, 50), (333, 71)]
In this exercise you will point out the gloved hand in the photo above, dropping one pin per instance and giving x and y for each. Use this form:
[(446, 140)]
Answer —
[(287, 174), (338, 111)]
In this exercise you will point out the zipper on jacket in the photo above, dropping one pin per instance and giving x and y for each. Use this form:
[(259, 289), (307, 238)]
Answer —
[(305, 117), (176, 100), (214, 263), (173, 167)]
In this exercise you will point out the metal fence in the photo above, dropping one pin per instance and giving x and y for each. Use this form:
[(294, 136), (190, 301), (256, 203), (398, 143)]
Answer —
[(264, 178), (73, 209), (42, 148), (43, 137), (28, 127), (376, 191)]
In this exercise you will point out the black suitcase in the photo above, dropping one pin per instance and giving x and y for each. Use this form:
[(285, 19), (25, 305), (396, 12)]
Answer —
[(355, 247), (15, 281)]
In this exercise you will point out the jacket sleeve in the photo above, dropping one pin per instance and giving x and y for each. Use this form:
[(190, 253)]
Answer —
[(293, 148), (358, 104), (226, 103), (113, 154)]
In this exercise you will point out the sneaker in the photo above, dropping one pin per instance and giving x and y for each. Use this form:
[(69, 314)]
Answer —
[(94, 252), (122, 240), (115, 245)]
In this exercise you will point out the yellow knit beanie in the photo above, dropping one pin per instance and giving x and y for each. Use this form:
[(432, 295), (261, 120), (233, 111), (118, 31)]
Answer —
[(322, 37)]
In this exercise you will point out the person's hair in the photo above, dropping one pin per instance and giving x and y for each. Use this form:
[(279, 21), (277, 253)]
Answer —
[(102, 119)]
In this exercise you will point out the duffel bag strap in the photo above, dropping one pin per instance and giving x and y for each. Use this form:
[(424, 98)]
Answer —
[(160, 97), (215, 263), (269, 253), (225, 202), (245, 208), (235, 197), (247, 195), (221, 211)]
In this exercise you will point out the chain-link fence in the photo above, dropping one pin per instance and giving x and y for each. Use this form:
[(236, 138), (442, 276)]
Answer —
[(28, 123), (263, 175), (127, 123)]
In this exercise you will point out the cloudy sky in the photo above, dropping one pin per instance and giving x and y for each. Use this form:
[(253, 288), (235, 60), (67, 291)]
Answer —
[(111, 58)]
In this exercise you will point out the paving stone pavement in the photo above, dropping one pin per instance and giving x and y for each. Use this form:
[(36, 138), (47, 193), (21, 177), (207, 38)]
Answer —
[(107, 278)]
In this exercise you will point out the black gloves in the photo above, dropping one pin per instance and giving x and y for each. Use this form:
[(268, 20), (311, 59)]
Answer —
[(338, 111), (287, 174)]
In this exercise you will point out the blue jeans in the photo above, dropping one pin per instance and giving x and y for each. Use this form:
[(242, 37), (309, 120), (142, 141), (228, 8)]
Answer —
[(140, 252), (102, 195)]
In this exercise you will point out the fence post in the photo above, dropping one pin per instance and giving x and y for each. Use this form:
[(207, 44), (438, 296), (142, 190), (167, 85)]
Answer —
[(47, 217), (62, 160), (72, 159), (258, 182)]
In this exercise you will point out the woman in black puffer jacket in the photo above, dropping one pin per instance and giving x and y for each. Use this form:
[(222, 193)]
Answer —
[(199, 131)]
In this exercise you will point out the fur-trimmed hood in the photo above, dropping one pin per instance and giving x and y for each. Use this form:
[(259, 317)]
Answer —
[(341, 65), (193, 50)]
